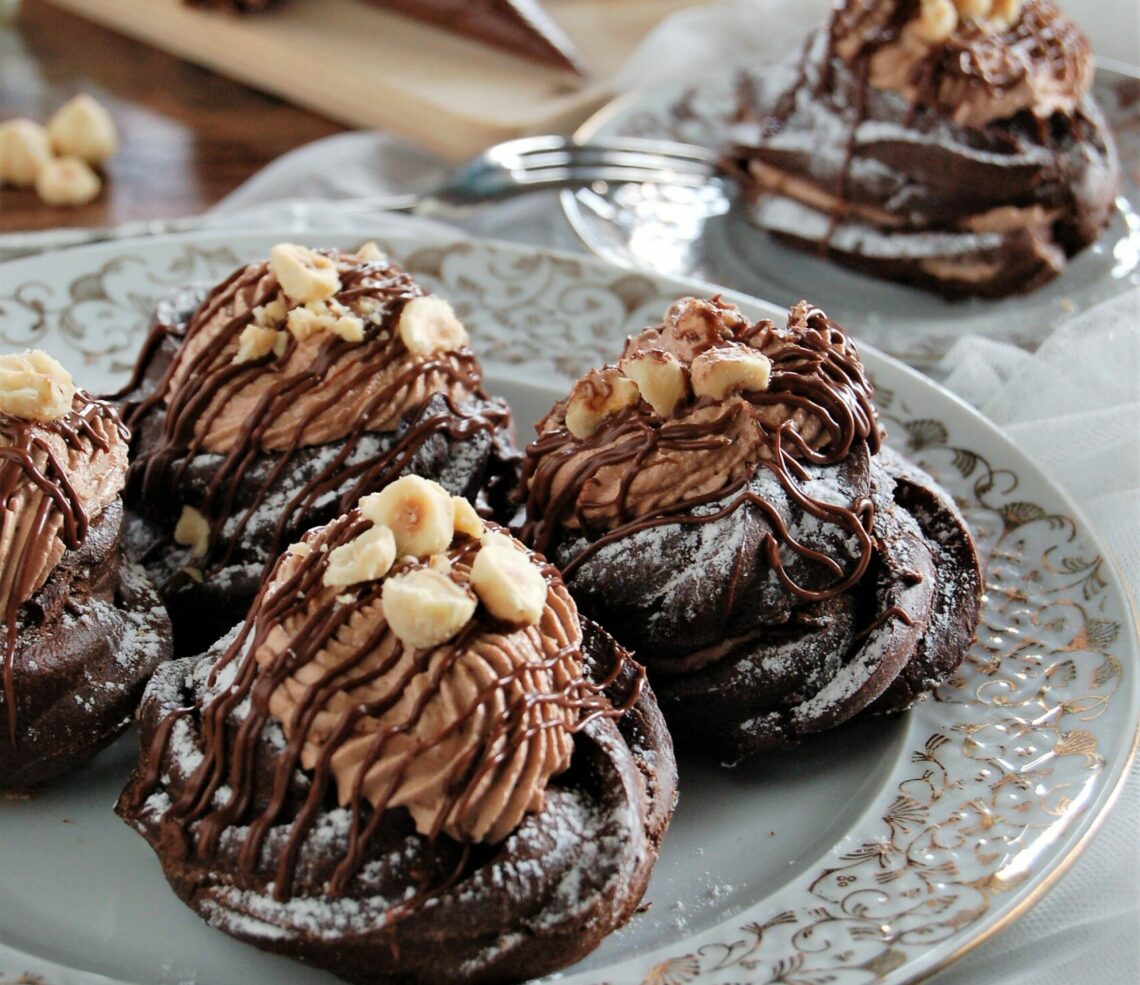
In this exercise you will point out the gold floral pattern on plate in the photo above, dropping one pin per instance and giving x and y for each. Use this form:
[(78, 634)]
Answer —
[(1012, 758)]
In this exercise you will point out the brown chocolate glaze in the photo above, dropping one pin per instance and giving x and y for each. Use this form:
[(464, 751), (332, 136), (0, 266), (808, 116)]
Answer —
[(815, 369), (169, 421), (975, 56), (238, 6), (519, 26), (877, 648), (22, 441), (202, 816)]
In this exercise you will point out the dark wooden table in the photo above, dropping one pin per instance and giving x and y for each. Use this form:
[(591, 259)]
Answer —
[(187, 136)]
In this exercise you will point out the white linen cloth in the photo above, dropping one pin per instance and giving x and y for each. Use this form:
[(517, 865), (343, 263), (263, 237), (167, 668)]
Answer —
[(1074, 406)]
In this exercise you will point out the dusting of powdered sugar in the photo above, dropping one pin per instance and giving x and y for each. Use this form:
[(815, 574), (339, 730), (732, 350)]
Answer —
[(135, 642), (939, 137), (681, 566), (579, 841), (141, 644), (183, 747), (453, 470), (259, 916), (492, 953), (708, 560), (237, 578), (260, 523)]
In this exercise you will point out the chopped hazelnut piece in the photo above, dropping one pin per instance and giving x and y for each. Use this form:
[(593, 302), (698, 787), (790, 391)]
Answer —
[(193, 531), (34, 387), (304, 275), (421, 515), (364, 558), (425, 608), (24, 152), (660, 378), (428, 325), (718, 372), (256, 343), (507, 582), (598, 395)]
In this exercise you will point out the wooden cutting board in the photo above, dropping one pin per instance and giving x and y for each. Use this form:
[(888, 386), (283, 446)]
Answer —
[(371, 68)]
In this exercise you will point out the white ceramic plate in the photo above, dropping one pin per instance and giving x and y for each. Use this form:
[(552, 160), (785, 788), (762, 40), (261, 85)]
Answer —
[(696, 233), (878, 853)]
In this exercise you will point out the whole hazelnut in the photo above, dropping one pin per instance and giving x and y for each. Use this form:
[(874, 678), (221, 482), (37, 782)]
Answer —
[(82, 128), (67, 181), (24, 150)]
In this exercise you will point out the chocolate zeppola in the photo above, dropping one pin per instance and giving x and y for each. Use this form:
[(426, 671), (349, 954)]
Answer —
[(413, 762), (271, 403), (521, 27), (949, 144), (720, 500), (83, 627)]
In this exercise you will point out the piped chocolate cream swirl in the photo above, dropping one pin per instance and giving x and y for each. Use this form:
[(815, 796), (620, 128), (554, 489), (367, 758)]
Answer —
[(951, 144), (411, 657), (63, 459), (692, 410), (295, 387), (974, 61)]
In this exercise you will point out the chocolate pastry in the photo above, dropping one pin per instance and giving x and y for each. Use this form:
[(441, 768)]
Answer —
[(949, 145), (521, 27), (413, 762), (238, 6), (83, 627), (273, 402), (720, 500)]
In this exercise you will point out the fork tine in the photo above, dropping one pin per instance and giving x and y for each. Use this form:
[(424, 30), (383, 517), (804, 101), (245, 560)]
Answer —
[(663, 148), (615, 174), (529, 163), (606, 157), (535, 151)]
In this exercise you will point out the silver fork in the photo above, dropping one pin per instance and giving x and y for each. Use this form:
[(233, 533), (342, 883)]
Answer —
[(512, 168), (532, 163)]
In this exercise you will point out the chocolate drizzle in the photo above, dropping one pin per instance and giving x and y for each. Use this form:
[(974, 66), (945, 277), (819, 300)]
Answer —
[(27, 459), (816, 376), (979, 60), (194, 390), (220, 795), (972, 165)]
